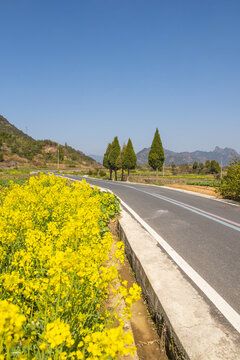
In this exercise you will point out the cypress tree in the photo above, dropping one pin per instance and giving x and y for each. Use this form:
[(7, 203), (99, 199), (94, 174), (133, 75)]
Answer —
[(129, 158), (113, 155), (120, 160), (156, 155), (106, 163)]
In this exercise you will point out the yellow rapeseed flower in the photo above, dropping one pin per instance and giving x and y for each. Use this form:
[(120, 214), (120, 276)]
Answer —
[(54, 256)]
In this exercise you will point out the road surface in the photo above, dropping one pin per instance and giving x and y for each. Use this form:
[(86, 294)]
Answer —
[(204, 232)]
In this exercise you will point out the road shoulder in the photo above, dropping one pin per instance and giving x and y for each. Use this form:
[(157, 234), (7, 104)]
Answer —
[(185, 320)]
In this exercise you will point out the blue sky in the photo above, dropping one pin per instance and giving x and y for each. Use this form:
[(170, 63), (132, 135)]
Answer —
[(83, 72)]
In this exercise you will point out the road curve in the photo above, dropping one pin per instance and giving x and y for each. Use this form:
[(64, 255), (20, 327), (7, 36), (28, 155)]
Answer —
[(204, 232)]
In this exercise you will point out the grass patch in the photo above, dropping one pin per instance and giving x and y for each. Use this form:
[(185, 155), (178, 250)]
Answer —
[(205, 183), (6, 182), (16, 176)]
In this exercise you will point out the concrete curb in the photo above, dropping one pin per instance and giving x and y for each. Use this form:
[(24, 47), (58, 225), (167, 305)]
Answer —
[(186, 322)]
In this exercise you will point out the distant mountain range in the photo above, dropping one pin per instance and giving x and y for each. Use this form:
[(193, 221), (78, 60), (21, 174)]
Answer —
[(221, 155), (97, 158)]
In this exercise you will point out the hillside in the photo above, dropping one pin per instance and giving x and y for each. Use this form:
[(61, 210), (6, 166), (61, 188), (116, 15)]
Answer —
[(6, 126), (218, 154), (19, 149)]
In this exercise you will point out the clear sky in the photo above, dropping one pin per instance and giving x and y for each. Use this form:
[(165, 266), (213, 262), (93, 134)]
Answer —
[(84, 71)]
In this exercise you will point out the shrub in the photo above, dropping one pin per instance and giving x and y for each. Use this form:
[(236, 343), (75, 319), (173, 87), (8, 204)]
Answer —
[(74, 157), (230, 184), (49, 156), (214, 167), (102, 173)]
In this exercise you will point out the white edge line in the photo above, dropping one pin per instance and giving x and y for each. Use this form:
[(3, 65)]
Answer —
[(229, 313)]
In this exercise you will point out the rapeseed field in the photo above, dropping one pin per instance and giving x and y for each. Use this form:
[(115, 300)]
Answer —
[(56, 273)]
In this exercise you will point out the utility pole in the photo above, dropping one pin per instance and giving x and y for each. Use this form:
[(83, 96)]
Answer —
[(221, 169), (163, 169)]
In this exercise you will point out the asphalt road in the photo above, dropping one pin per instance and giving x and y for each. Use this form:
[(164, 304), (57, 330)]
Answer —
[(204, 232)]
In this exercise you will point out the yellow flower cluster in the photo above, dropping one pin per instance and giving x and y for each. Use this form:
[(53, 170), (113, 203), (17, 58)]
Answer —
[(11, 323), (58, 333), (109, 343), (55, 274)]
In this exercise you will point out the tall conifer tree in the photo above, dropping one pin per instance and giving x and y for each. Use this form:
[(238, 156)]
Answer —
[(120, 160), (129, 158), (156, 155), (113, 156), (106, 163)]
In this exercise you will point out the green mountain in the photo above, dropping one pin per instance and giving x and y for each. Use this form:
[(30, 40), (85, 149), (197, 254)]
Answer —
[(19, 149), (5, 126)]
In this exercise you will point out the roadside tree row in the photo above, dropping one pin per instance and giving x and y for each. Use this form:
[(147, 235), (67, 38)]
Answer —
[(210, 167), (116, 158)]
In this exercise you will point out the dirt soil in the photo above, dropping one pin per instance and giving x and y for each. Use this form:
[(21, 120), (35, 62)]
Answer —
[(178, 184), (145, 334), (206, 190), (147, 340)]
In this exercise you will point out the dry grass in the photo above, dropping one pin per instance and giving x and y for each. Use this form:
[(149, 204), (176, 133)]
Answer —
[(206, 190)]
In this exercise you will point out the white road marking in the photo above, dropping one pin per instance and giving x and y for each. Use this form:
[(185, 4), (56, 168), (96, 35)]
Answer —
[(216, 218), (229, 313)]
